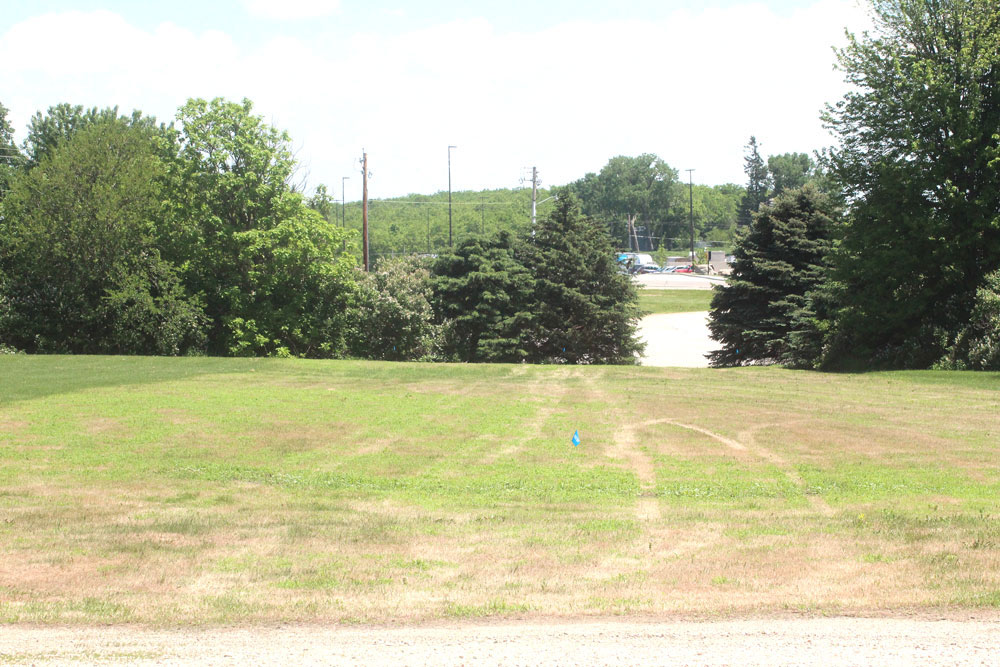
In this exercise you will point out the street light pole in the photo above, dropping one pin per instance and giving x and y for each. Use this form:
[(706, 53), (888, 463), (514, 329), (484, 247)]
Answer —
[(449, 195), (691, 212), (343, 199)]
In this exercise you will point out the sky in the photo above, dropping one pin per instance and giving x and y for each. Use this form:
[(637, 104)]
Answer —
[(561, 85)]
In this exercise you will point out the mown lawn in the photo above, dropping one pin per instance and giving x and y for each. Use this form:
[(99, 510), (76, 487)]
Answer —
[(205, 491), (656, 301)]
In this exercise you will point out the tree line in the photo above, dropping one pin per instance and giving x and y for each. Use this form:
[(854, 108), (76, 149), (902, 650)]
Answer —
[(122, 235), (893, 260), (639, 199)]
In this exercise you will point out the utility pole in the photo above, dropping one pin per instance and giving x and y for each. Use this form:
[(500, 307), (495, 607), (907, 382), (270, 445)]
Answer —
[(534, 198), (449, 195), (691, 212), (364, 208)]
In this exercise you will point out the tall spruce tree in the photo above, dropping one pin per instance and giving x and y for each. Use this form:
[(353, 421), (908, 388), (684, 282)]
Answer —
[(585, 310), (758, 184), (763, 314), (482, 295)]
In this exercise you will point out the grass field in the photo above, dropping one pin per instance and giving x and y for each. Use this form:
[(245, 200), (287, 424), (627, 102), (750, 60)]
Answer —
[(656, 301), (208, 491)]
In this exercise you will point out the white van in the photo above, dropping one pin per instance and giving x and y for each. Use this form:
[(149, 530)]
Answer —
[(635, 258)]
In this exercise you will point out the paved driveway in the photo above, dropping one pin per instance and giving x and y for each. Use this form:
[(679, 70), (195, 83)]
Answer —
[(678, 281), (676, 339)]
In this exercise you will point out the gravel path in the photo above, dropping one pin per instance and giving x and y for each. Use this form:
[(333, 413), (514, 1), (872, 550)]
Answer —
[(829, 641), (676, 339)]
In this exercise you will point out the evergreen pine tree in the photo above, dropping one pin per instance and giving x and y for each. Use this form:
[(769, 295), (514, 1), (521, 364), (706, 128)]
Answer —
[(758, 183), (482, 295), (585, 310), (764, 314)]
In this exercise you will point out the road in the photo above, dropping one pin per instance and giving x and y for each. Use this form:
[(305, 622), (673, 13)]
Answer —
[(676, 339), (677, 281), (784, 641)]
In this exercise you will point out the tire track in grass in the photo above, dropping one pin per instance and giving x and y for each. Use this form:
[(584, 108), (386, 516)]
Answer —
[(550, 386), (626, 448), (816, 502)]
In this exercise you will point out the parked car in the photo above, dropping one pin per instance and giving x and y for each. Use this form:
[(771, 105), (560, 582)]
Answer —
[(648, 268), (684, 269)]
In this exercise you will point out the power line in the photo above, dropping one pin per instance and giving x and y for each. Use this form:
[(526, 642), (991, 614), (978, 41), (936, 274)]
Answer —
[(440, 203)]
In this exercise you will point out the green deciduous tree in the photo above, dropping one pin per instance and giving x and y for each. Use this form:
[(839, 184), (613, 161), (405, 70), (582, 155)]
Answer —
[(631, 191), (78, 248), (764, 314), (323, 203), (919, 159), (789, 171), (391, 317), (270, 269), (48, 130), (10, 157), (977, 345)]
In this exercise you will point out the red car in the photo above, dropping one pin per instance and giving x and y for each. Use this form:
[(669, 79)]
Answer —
[(684, 269)]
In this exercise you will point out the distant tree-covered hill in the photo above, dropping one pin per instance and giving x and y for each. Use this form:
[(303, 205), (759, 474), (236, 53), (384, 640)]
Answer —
[(419, 223)]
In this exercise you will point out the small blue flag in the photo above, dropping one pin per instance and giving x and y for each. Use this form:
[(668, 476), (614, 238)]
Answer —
[(576, 438)]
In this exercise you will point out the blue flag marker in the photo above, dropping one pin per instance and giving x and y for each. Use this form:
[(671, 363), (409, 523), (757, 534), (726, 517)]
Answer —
[(576, 438)]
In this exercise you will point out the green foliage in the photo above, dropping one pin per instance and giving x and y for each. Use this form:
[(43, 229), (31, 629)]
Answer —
[(391, 318), (977, 346), (419, 223), (271, 270), (483, 295), (10, 157), (919, 158), (781, 258), (77, 244), (297, 288), (585, 310), (553, 297), (790, 171), (47, 131), (324, 204), (758, 183), (632, 191)]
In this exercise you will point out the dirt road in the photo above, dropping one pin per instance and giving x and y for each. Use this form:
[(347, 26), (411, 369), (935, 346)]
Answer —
[(827, 641)]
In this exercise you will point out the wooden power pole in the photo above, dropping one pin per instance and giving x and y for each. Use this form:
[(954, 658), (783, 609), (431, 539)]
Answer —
[(364, 208)]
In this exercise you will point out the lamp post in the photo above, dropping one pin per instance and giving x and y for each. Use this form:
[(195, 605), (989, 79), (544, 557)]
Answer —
[(343, 199), (691, 215), (449, 195)]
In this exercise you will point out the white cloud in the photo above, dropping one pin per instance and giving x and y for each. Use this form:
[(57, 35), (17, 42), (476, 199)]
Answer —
[(292, 9), (691, 89)]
